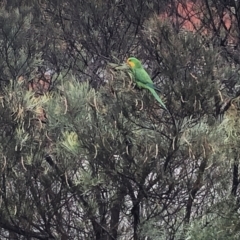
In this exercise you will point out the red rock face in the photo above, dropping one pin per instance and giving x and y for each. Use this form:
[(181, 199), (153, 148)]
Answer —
[(40, 85), (194, 16)]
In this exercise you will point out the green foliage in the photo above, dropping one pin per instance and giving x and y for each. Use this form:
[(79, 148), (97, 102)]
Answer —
[(220, 222), (94, 157), (187, 67), (19, 55)]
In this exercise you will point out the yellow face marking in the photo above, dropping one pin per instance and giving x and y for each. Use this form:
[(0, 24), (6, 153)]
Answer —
[(130, 63)]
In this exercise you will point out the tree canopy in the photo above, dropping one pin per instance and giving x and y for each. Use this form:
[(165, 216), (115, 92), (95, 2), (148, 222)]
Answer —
[(85, 154)]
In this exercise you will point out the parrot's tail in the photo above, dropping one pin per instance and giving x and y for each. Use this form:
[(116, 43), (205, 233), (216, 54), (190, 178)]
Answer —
[(151, 85), (157, 97)]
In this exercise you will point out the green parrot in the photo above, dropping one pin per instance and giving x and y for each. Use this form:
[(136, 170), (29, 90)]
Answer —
[(142, 78)]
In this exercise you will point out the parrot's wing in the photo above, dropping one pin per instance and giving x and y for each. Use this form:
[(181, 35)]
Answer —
[(142, 76)]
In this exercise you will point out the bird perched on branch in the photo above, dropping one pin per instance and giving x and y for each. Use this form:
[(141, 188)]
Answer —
[(142, 78)]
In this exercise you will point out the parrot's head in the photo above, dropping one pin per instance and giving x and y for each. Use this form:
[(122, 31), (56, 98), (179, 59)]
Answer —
[(134, 62)]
